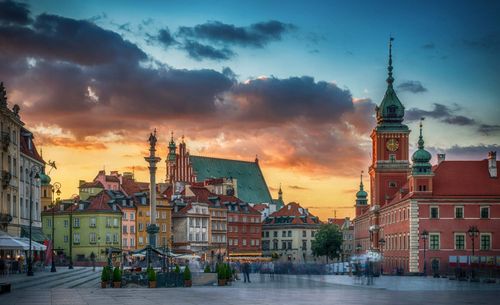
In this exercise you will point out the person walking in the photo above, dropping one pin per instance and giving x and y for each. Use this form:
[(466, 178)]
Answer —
[(92, 259), (246, 271)]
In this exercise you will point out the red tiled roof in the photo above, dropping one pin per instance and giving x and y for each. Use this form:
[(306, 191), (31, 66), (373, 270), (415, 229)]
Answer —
[(97, 184), (338, 221), (112, 179), (299, 214), (25, 148), (260, 207), (100, 202), (465, 178), (130, 186)]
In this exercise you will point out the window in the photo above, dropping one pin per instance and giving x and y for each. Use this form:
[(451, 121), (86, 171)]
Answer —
[(275, 245), (115, 238), (65, 238), (92, 238), (108, 238), (304, 233), (125, 216), (124, 229), (459, 212), (485, 241), (141, 240), (459, 241), (115, 222), (132, 229), (76, 238), (132, 242), (283, 234), (49, 222), (485, 212), (92, 222), (108, 222), (275, 234), (66, 222), (257, 242), (304, 245), (230, 242), (124, 242), (434, 241), (141, 226), (235, 242), (76, 222), (392, 184), (392, 158), (289, 233), (132, 217), (164, 227), (283, 245), (434, 213)]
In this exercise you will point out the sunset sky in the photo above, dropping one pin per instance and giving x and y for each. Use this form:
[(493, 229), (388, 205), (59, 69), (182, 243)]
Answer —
[(294, 82)]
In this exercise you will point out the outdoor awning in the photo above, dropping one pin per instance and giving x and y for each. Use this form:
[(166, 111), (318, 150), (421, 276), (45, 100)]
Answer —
[(36, 233), (8, 242)]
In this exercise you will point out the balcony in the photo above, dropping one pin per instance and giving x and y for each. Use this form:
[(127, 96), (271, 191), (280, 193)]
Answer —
[(5, 139), (6, 177)]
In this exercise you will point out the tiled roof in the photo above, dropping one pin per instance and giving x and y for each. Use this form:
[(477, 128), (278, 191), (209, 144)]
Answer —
[(465, 178), (260, 207), (32, 152), (338, 221), (251, 184), (93, 184), (292, 213), (130, 186)]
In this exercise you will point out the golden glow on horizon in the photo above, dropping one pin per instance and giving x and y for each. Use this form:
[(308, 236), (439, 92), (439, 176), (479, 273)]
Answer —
[(322, 195)]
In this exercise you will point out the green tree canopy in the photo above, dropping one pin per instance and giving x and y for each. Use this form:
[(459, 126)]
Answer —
[(327, 241)]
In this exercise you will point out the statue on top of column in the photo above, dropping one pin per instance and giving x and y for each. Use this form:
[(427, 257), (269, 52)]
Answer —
[(152, 139)]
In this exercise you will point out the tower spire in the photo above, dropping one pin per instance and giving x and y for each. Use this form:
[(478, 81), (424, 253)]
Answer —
[(361, 182), (390, 79), (421, 138)]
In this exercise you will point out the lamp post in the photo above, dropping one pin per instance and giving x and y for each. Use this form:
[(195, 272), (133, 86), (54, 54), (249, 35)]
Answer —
[(33, 175), (381, 242), (57, 188), (71, 207), (424, 235), (473, 233)]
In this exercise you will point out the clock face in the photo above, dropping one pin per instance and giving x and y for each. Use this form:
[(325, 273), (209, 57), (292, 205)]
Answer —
[(392, 145)]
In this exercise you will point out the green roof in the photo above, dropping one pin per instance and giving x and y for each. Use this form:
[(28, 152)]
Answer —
[(251, 185)]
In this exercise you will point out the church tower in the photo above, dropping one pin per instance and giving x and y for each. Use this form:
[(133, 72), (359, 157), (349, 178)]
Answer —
[(361, 198), (421, 171), (390, 148), (171, 159)]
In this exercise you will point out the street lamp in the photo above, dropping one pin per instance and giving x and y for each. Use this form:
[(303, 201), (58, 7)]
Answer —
[(33, 175), (71, 207), (56, 187), (473, 233), (381, 242), (424, 235)]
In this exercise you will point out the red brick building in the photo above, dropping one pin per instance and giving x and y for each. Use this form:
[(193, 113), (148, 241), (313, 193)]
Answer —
[(412, 204), (244, 228)]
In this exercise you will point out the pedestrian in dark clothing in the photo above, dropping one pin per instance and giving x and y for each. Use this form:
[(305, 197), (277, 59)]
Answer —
[(246, 272)]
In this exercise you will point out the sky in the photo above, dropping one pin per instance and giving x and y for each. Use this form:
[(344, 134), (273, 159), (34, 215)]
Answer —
[(294, 83)]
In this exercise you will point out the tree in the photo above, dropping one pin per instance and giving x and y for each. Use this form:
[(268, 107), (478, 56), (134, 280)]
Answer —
[(327, 241)]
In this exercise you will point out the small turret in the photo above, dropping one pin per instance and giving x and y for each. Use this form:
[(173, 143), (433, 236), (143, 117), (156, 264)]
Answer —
[(421, 158), (171, 148)]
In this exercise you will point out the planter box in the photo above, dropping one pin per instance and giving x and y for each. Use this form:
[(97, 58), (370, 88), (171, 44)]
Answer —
[(117, 284), (152, 284), (188, 283)]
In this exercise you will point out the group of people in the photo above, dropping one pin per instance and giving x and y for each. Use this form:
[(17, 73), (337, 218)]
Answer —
[(367, 270)]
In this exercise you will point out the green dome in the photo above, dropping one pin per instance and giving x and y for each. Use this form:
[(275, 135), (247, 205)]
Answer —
[(421, 156), (361, 194), (44, 179)]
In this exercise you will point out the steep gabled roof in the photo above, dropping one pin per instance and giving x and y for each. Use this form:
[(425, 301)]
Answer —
[(28, 146), (93, 184), (130, 186), (251, 184), (292, 213)]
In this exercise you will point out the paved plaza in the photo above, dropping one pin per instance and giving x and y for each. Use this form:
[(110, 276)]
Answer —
[(81, 286)]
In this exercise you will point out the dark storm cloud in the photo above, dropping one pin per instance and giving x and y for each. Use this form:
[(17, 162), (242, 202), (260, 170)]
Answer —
[(14, 13), (200, 51), (291, 98), (473, 152), (58, 38), (256, 35), (166, 38), (412, 86), (448, 115), (440, 112)]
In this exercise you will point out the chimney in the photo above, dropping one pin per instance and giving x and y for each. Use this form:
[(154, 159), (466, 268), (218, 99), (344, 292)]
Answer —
[(492, 163), (441, 158), (80, 182)]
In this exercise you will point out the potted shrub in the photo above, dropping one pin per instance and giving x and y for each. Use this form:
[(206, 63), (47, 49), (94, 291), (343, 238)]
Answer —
[(221, 276), (207, 269), (177, 269), (105, 277), (117, 278), (187, 277), (151, 278), (229, 274)]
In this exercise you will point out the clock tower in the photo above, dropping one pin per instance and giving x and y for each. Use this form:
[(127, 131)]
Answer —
[(390, 149)]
